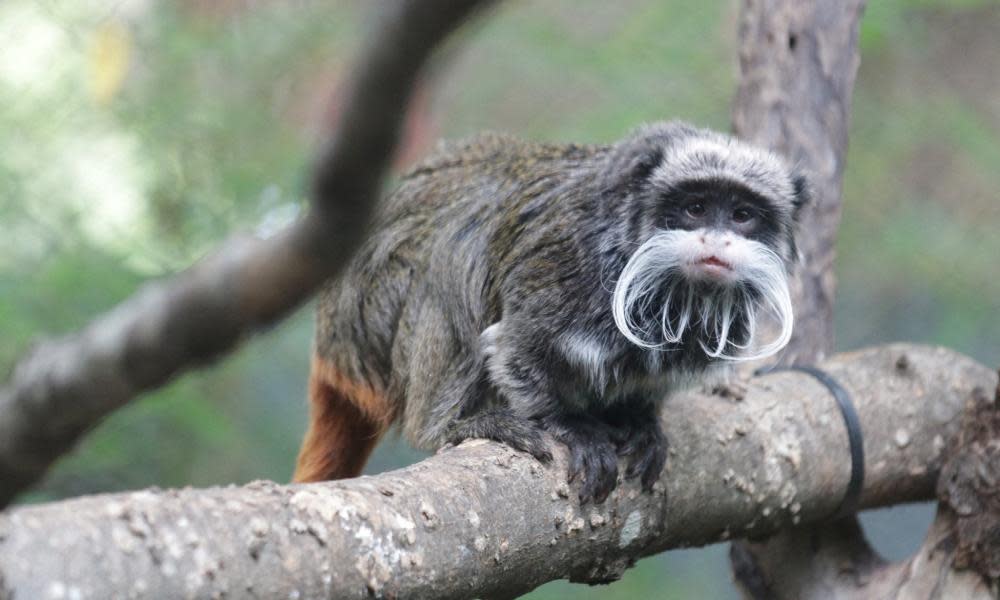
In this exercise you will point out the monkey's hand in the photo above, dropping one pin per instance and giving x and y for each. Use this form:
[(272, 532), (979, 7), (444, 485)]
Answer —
[(502, 425), (641, 441), (592, 453)]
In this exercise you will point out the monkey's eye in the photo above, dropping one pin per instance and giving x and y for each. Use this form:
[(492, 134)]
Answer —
[(742, 215), (695, 209)]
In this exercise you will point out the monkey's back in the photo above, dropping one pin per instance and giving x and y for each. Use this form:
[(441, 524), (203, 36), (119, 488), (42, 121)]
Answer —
[(404, 318)]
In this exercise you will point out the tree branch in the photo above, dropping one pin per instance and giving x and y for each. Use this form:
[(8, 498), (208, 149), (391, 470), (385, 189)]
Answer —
[(960, 556), (482, 520), (64, 387)]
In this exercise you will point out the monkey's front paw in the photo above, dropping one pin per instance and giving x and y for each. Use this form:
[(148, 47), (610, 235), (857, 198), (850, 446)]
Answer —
[(645, 447), (505, 427), (592, 454)]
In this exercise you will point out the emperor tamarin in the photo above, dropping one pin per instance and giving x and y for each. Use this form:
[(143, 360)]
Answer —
[(510, 288)]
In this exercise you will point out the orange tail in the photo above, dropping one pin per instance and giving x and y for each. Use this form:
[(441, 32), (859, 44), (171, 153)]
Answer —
[(346, 420)]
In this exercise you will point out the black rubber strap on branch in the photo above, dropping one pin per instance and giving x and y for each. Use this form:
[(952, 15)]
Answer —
[(849, 505)]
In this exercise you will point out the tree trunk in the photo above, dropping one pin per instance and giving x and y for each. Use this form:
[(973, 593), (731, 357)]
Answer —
[(798, 62)]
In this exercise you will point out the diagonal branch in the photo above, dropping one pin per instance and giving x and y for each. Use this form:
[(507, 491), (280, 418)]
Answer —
[(483, 521), (65, 386)]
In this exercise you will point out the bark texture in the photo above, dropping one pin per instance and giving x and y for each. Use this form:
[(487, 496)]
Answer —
[(65, 386), (481, 520), (960, 557)]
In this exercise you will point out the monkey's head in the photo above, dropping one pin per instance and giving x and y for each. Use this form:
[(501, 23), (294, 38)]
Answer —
[(710, 240)]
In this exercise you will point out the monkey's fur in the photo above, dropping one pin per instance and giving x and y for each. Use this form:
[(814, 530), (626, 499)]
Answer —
[(489, 301)]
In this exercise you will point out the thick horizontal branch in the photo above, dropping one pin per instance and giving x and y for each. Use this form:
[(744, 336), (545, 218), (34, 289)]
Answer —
[(959, 558), (64, 387), (483, 520)]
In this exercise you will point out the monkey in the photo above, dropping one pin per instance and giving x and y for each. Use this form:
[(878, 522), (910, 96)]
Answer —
[(511, 288)]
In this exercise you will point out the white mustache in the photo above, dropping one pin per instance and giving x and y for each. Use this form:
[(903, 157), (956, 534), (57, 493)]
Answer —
[(657, 262)]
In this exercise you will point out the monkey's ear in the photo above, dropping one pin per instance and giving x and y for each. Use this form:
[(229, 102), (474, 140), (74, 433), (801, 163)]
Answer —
[(628, 167), (801, 194), (634, 159), (640, 166)]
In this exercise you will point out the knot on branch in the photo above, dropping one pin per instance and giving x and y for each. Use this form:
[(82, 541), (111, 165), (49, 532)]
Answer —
[(603, 570), (970, 487)]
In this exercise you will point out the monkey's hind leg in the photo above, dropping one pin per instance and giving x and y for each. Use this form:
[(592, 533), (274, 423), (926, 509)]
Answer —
[(502, 425), (346, 421)]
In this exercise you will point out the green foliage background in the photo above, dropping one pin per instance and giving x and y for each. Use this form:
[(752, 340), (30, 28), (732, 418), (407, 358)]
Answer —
[(136, 136)]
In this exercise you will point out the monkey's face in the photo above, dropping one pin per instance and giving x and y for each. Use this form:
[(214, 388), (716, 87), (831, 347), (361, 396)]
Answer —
[(707, 230), (726, 223), (717, 254)]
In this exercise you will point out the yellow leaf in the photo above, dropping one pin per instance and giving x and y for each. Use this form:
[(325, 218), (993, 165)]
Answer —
[(108, 60)]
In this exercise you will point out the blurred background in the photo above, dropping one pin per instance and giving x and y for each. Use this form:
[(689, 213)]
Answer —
[(136, 135)]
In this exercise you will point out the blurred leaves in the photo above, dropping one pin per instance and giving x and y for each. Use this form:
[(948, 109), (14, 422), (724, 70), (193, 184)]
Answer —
[(136, 137), (109, 59)]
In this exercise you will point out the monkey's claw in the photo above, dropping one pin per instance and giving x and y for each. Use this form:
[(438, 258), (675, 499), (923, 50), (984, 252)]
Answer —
[(592, 455), (645, 447)]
